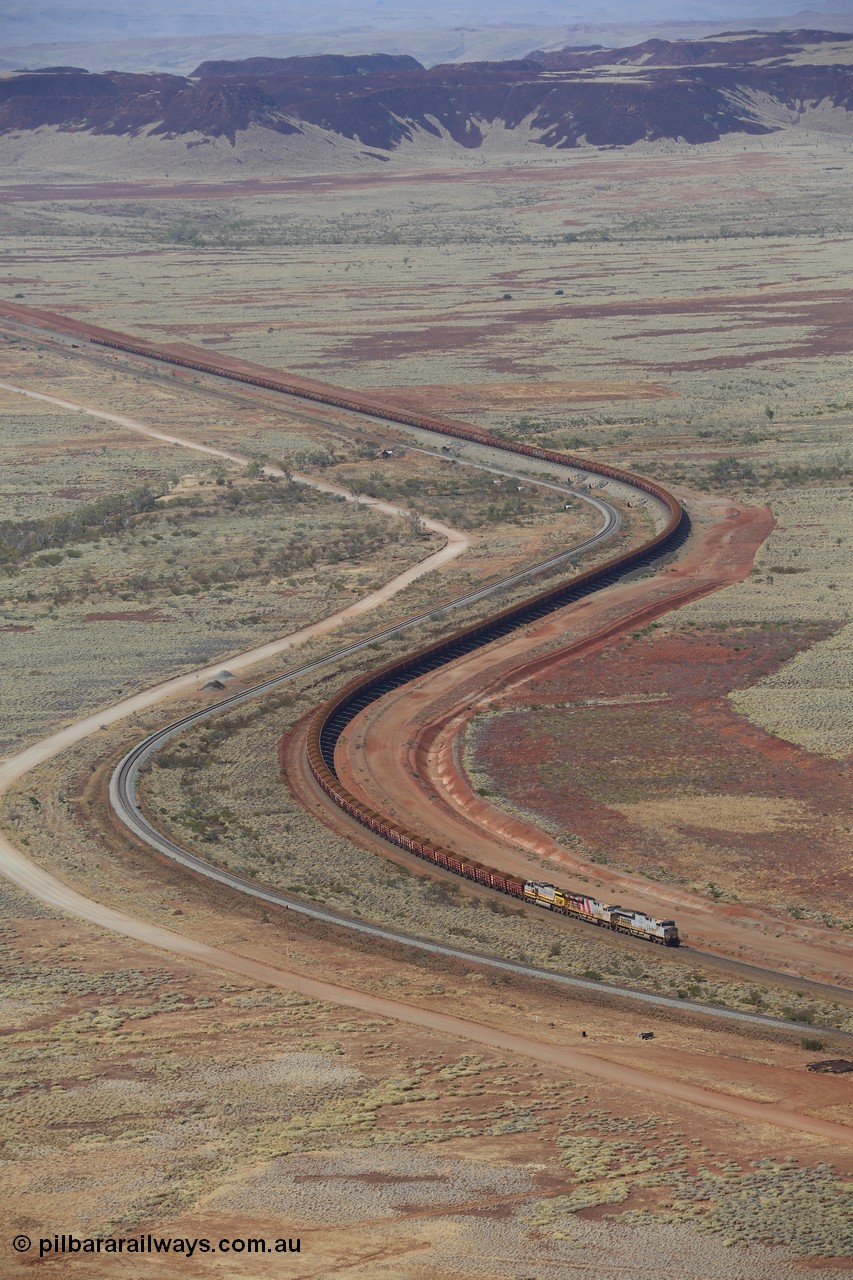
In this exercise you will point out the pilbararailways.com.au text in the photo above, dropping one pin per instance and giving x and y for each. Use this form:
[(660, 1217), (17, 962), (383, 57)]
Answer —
[(175, 1246)]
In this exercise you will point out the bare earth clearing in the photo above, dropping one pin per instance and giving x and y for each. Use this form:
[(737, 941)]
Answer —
[(774, 817), (702, 335), (403, 749)]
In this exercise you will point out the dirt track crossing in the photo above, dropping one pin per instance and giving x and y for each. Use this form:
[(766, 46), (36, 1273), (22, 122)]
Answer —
[(33, 879)]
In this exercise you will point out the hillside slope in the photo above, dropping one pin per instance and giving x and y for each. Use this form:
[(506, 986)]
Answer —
[(693, 91)]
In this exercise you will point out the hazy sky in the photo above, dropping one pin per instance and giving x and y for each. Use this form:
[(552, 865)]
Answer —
[(176, 35), (23, 20)]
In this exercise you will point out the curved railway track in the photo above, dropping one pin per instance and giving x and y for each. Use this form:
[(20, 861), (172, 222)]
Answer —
[(333, 717)]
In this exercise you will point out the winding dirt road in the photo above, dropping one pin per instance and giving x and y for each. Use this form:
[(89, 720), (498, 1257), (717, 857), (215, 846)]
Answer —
[(32, 878), (401, 755), (457, 543), (48, 889)]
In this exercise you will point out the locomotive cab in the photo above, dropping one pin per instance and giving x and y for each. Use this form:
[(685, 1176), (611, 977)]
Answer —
[(670, 933)]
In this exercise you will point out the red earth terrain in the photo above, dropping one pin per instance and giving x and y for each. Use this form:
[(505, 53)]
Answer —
[(685, 788), (403, 756)]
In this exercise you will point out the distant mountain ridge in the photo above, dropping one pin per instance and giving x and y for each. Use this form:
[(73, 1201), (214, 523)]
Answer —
[(696, 91), (322, 64), (737, 48), (116, 35)]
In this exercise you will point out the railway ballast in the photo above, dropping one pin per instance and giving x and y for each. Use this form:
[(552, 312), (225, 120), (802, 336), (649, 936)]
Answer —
[(329, 722)]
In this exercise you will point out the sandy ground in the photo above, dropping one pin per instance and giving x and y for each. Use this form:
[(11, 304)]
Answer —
[(752, 1064), (402, 754), (457, 544), (463, 1161), (51, 891)]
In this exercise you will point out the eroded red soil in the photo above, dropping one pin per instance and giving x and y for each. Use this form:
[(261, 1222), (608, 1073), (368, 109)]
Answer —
[(403, 756), (133, 615), (621, 170), (516, 395), (636, 749), (819, 323)]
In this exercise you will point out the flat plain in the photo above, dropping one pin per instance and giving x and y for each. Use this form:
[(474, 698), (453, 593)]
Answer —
[(679, 311)]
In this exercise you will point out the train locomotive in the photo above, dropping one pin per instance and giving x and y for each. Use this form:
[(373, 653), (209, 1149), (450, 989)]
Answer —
[(330, 719), (620, 919), (578, 906)]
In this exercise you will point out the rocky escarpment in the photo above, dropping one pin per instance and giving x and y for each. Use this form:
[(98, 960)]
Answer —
[(694, 91), (323, 64), (731, 49)]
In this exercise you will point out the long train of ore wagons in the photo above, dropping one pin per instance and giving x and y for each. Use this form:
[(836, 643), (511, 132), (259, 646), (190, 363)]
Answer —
[(331, 719)]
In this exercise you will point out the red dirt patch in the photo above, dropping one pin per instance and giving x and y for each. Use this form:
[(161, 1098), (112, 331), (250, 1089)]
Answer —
[(575, 169), (12, 626), (636, 750), (819, 323), (73, 492), (517, 395)]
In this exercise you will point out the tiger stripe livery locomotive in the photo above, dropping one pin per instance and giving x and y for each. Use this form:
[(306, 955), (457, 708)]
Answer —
[(331, 718), (620, 919)]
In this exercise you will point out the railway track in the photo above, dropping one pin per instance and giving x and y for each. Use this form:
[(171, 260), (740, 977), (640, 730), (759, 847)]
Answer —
[(123, 800), (127, 773), (333, 718)]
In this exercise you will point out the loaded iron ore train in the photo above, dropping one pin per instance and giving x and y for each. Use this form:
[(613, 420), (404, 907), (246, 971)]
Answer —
[(351, 400), (330, 720), (620, 919), (578, 906)]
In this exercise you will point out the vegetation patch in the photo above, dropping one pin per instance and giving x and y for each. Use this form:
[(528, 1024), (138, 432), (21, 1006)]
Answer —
[(690, 792)]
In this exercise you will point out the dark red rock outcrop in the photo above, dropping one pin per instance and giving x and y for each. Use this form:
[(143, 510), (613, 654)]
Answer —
[(323, 64), (121, 103), (696, 100)]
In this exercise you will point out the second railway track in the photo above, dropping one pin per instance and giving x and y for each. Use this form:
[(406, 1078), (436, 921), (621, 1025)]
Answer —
[(334, 716)]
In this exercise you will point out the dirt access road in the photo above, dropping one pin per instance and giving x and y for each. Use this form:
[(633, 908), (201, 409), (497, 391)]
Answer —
[(402, 754), (49, 889)]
